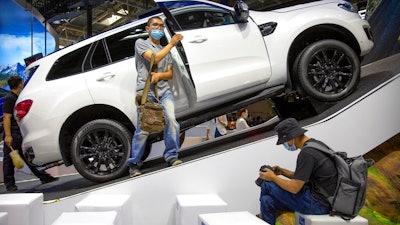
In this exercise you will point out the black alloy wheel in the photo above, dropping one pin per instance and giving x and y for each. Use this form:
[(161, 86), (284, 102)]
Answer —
[(100, 150), (328, 70)]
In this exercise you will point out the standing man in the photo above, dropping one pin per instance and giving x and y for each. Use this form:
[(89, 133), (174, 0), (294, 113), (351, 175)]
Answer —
[(143, 52), (12, 137), (298, 192)]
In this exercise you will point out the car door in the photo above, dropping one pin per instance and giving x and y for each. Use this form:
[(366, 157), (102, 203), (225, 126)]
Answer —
[(110, 71), (223, 56)]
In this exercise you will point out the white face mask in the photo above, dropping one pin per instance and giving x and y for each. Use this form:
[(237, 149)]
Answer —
[(289, 147)]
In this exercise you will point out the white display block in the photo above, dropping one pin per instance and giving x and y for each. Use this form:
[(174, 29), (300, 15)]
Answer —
[(188, 207), (302, 219), (230, 218), (3, 218), (104, 202), (87, 218), (23, 208)]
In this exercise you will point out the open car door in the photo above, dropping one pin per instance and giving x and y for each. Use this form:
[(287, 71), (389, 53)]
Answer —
[(223, 55)]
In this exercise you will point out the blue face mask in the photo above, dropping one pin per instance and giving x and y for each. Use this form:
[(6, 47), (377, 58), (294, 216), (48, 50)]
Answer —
[(289, 147), (157, 34)]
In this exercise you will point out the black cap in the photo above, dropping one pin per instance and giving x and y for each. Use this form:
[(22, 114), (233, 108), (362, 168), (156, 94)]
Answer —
[(288, 129)]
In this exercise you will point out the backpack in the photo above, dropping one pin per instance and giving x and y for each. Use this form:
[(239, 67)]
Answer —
[(350, 192)]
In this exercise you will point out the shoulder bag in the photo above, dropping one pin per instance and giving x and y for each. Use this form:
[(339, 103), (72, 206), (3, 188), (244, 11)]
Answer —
[(151, 114)]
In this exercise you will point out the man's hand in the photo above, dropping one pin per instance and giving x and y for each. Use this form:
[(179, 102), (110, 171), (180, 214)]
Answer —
[(268, 175), (175, 39), (155, 77), (8, 140), (277, 170)]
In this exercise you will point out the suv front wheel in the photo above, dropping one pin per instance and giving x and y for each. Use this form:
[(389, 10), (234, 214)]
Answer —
[(100, 150), (328, 70)]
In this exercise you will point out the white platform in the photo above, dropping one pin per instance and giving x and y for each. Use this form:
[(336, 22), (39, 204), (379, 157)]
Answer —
[(301, 219), (3, 218), (188, 207), (230, 218), (121, 204), (87, 218), (23, 208)]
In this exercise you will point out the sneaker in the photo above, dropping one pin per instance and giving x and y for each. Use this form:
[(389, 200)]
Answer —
[(175, 162), (49, 180), (12, 188), (134, 171)]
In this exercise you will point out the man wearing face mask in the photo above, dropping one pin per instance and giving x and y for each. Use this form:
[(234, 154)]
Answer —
[(143, 52), (297, 191)]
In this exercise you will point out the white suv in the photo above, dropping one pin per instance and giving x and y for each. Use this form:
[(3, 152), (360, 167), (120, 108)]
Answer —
[(78, 106)]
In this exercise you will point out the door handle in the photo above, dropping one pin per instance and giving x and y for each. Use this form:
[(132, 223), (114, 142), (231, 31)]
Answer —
[(106, 77), (198, 39)]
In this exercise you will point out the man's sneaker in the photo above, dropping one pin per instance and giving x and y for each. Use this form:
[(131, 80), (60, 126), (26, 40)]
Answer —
[(12, 188), (175, 162), (49, 180), (134, 171)]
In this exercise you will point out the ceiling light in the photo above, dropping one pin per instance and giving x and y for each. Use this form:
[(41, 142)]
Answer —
[(110, 20), (123, 12)]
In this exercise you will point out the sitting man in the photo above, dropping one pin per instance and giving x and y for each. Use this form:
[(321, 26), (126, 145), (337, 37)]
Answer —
[(298, 192)]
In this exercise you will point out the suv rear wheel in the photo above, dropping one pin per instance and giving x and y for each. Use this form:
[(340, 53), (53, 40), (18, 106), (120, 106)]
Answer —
[(100, 150), (328, 70)]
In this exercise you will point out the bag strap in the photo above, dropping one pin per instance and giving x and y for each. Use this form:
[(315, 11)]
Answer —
[(319, 146), (322, 148), (153, 68)]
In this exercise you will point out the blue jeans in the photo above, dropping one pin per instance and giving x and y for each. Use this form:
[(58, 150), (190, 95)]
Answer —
[(273, 199), (171, 133)]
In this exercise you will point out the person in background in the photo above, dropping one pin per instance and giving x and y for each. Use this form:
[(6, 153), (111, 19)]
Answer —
[(297, 191), (211, 127), (12, 137), (144, 49), (217, 127), (221, 122), (241, 123)]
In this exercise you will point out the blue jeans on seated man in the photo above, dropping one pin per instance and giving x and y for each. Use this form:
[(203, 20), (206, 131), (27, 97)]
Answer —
[(171, 133), (273, 198)]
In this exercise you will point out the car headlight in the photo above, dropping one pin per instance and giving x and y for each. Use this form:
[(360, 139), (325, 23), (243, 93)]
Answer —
[(348, 7)]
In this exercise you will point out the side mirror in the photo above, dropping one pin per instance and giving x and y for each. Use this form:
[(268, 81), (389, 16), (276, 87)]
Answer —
[(241, 11)]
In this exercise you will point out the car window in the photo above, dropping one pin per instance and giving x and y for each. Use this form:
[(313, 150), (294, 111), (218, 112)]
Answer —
[(203, 19), (121, 45), (69, 64), (197, 16), (99, 57)]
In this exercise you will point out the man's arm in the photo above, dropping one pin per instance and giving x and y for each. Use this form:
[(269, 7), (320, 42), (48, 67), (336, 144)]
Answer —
[(7, 128), (284, 172), (221, 121), (163, 52), (167, 75), (290, 185)]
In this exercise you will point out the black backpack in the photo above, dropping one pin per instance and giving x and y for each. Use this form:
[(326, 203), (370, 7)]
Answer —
[(350, 192)]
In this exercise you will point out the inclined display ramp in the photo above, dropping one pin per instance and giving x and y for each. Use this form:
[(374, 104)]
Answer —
[(355, 128)]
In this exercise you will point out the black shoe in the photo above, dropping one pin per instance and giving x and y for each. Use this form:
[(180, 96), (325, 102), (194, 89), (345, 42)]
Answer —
[(12, 188), (49, 180)]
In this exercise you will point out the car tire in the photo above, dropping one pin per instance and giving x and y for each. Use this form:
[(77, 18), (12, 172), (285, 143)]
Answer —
[(328, 70), (147, 149), (100, 150)]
